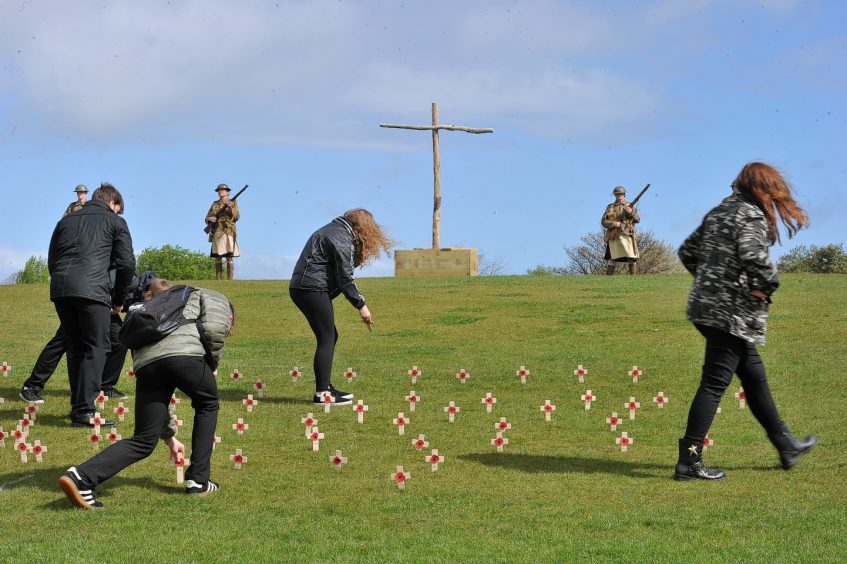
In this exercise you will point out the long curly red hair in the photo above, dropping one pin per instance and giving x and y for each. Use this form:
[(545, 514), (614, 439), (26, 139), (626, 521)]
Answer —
[(765, 184), (371, 237)]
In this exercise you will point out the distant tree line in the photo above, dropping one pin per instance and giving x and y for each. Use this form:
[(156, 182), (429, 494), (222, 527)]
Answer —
[(171, 262)]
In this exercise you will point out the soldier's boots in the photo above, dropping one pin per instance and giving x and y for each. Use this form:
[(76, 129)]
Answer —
[(610, 269), (790, 448), (219, 268), (633, 267), (230, 270), (690, 465)]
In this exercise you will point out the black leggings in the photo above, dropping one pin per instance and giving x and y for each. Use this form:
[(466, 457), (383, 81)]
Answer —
[(317, 307), (727, 354), (155, 384)]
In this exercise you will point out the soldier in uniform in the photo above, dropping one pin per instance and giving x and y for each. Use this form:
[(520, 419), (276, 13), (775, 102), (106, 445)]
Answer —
[(222, 216), (734, 279), (619, 220), (81, 197)]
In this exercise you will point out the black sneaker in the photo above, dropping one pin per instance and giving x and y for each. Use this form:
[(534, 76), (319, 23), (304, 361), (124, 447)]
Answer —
[(339, 393), (30, 395), (114, 393), (193, 488), (84, 420), (80, 492), (336, 399)]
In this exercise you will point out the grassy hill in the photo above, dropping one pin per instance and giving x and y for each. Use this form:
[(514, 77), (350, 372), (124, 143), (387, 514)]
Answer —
[(561, 490)]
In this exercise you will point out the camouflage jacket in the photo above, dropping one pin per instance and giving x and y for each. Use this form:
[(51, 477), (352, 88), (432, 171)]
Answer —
[(226, 221), (728, 256), (615, 211)]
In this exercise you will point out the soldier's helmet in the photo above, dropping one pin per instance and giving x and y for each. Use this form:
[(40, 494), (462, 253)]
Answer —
[(223, 187), (81, 188), (619, 190)]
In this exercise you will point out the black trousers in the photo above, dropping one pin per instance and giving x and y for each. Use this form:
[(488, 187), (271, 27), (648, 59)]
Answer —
[(52, 353), (85, 324), (727, 355), (317, 307), (155, 383)]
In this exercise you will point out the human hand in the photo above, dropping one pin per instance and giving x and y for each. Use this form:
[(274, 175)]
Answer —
[(616, 223), (760, 295), (628, 209), (117, 309), (176, 448), (365, 314)]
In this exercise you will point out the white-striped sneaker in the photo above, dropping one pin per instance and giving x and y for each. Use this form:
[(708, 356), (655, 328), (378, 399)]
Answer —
[(193, 488), (80, 492)]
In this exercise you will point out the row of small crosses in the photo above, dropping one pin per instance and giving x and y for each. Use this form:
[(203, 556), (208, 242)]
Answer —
[(499, 441)]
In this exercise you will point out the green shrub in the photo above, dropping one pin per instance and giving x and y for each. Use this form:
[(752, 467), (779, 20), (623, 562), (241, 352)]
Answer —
[(34, 271), (176, 263), (829, 259)]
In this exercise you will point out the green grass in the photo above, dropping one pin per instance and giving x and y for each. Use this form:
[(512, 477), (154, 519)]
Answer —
[(561, 490)]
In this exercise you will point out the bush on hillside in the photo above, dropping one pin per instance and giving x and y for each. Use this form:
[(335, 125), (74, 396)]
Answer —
[(176, 263)]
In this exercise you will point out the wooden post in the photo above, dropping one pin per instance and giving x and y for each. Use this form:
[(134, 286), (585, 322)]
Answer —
[(436, 164), (436, 173)]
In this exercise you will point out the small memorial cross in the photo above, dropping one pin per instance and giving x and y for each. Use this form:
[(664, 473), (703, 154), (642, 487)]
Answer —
[(180, 469), (38, 449), (401, 421), (236, 375), (315, 436), (113, 436), (503, 425), (399, 477), (434, 459), (309, 421), (260, 389), (613, 421), (101, 401), (414, 372), (413, 399), (23, 448), (238, 459), (338, 460), (451, 410), (489, 402), (96, 421), (295, 374), (742, 398), (660, 400), (121, 411), (349, 374), (634, 374), (624, 441), (5, 368), (548, 409), (240, 426), (420, 443), (360, 408), (499, 441), (463, 376), (522, 373), (587, 398), (580, 373), (632, 405), (250, 403)]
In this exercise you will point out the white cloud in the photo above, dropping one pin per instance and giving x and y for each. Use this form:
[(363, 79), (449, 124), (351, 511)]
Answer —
[(13, 260)]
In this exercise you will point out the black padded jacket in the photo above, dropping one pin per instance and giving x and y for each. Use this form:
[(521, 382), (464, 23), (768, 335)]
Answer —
[(84, 246), (327, 262)]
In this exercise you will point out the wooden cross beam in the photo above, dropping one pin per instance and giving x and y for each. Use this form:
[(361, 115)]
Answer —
[(436, 163)]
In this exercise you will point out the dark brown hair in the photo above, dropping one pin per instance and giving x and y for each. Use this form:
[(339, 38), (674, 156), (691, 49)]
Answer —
[(764, 184), (371, 237), (108, 193)]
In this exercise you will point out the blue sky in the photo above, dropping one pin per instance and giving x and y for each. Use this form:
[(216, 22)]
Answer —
[(167, 99)]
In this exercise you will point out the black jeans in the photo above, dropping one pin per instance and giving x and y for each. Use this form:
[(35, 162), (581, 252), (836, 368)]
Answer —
[(85, 325), (317, 307), (52, 353), (155, 383), (727, 355)]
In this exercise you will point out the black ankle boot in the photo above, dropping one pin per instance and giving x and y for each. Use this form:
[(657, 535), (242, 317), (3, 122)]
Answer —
[(690, 466), (789, 447)]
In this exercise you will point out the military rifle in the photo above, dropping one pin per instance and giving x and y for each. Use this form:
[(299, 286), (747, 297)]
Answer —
[(616, 231), (211, 227)]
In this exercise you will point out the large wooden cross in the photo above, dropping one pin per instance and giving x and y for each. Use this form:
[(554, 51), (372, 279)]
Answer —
[(436, 164)]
